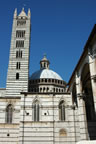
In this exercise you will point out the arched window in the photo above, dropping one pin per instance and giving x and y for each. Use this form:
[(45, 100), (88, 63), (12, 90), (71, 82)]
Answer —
[(43, 89), (9, 113), (47, 89), (40, 89), (18, 65), (17, 76), (44, 65), (16, 54), (62, 111), (53, 80), (36, 110), (53, 89), (56, 89)]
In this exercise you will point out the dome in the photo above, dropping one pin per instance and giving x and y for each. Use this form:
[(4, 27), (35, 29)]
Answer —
[(46, 80), (45, 73)]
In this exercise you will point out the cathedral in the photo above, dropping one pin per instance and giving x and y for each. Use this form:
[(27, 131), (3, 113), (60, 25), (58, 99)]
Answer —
[(43, 108)]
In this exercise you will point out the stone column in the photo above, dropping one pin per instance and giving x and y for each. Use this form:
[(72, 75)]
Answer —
[(81, 110), (92, 66)]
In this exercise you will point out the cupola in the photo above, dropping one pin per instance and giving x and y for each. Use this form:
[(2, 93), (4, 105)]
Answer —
[(44, 63)]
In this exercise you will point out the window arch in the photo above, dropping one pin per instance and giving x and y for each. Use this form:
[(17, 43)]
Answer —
[(17, 76), (9, 113), (62, 110), (36, 110), (40, 89), (43, 89), (18, 65)]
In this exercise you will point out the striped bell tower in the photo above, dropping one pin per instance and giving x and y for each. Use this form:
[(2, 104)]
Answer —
[(18, 69)]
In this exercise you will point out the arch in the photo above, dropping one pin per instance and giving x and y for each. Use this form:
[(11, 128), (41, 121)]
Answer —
[(16, 54), (47, 89), (44, 89), (9, 113), (18, 65), (63, 132), (53, 89), (36, 98), (62, 110), (40, 89), (62, 99), (49, 80), (87, 93), (56, 89), (17, 76)]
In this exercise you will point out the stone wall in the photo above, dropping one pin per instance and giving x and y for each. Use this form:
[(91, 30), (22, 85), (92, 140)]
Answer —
[(47, 129), (9, 133)]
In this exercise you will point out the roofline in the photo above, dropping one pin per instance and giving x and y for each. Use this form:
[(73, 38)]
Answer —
[(57, 93), (84, 52), (40, 70), (48, 79)]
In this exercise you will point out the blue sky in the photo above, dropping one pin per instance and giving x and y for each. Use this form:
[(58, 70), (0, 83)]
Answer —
[(60, 28)]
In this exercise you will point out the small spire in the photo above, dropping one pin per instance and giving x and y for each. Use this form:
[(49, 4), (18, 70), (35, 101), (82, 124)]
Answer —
[(23, 9), (29, 13), (44, 55), (15, 13)]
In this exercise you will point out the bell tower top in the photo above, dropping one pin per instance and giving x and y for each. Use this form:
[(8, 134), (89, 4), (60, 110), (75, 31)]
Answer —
[(22, 14)]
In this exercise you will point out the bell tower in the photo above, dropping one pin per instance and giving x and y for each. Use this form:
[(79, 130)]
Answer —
[(18, 69)]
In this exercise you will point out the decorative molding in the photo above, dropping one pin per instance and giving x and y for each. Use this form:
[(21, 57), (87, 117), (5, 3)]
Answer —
[(92, 51)]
